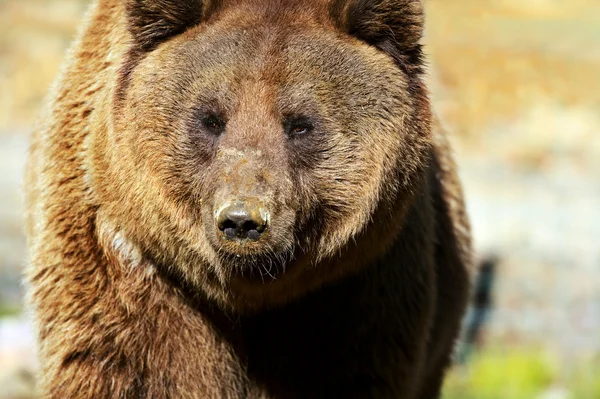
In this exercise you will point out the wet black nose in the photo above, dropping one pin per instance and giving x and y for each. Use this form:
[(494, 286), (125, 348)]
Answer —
[(241, 221)]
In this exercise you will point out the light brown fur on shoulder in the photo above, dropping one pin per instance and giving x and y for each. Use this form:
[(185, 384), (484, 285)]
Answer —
[(245, 199)]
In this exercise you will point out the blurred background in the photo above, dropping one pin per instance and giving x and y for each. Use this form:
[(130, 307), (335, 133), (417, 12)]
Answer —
[(517, 83)]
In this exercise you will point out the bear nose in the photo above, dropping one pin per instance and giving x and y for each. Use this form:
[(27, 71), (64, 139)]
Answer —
[(242, 221)]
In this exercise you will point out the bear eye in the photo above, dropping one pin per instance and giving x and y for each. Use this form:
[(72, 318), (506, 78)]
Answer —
[(213, 123), (298, 126)]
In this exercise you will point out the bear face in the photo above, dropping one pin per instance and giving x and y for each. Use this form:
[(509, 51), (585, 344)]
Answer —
[(253, 145)]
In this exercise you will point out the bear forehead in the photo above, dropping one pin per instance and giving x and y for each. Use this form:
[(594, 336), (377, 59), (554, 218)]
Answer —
[(286, 56)]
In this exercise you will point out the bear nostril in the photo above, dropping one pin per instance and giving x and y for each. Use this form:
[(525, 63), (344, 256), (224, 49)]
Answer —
[(253, 235), (239, 222), (229, 228)]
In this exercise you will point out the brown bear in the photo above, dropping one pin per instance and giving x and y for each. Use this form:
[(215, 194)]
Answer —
[(245, 199)]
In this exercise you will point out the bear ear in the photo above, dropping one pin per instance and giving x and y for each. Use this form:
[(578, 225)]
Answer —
[(383, 23), (154, 21)]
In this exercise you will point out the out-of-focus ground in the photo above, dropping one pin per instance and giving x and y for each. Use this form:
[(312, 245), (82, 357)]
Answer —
[(518, 85)]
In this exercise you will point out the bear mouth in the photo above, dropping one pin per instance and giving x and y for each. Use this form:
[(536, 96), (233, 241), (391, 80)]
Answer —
[(258, 268)]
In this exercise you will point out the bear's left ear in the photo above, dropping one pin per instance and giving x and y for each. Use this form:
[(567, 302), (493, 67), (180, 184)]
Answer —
[(387, 24), (154, 21)]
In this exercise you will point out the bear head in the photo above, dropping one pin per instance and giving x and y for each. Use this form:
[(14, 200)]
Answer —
[(258, 149)]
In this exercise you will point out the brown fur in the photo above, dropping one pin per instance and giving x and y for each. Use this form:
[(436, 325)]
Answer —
[(358, 285)]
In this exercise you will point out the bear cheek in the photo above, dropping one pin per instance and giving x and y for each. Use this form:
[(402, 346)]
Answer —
[(348, 188)]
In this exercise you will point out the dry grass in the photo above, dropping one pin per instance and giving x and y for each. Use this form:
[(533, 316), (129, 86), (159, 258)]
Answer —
[(496, 59), (35, 34), (518, 80)]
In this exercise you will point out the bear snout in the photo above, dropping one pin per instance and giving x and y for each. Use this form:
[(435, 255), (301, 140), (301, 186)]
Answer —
[(242, 220)]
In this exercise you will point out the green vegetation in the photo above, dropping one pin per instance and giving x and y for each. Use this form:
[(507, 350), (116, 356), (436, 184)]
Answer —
[(6, 310), (523, 374)]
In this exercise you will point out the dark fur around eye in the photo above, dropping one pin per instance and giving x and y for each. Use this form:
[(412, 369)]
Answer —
[(210, 122), (213, 123), (296, 126)]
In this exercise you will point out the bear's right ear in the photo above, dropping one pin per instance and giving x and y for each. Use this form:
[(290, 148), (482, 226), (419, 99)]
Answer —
[(154, 21), (382, 23)]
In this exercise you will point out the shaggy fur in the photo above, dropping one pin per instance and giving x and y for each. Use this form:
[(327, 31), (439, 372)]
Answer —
[(313, 111)]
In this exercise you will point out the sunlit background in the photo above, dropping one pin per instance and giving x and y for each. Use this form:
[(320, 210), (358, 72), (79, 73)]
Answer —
[(517, 83)]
